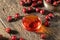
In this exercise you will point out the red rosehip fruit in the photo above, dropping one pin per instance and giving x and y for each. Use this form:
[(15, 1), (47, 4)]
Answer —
[(17, 15), (14, 38), (21, 39), (51, 15), (40, 2), (46, 23), (34, 0), (55, 3), (24, 10), (8, 30), (9, 18), (30, 9), (22, 2), (43, 36), (48, 1), (58, 1), (25, 1), (47, 17), (42, 11), (37, 9), (29, 1), (34, 4)]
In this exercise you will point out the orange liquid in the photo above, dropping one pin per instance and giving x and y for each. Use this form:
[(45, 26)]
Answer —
[(33, 23)]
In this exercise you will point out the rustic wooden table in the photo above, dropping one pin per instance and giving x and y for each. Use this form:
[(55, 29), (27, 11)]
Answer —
[(10, 7)]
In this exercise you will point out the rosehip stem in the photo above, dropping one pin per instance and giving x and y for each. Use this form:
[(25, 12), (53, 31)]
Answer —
[(3, 23)]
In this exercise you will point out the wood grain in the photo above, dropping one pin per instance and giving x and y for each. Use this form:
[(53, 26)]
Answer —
[(11, 7)]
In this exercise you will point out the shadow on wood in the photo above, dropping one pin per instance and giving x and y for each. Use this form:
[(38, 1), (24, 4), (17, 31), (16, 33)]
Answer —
[(51, 37), (13, 32)]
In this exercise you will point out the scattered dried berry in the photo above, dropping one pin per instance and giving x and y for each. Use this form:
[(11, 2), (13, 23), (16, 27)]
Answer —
[(47, 17), (13, 37), (37, 9), (17, 15), (24, 10), (30, 9), (22, 3), (39, 2), (42, 11), (8, 30), (51, 15), (34, 4), (29, 1), (46, 23), (9, 18), (43, 36), (34, 0), (25, 1), (48, 1), (55, 3), (21, 39)]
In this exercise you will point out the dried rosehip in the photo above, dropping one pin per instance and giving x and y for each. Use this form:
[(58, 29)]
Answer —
[(29, 1), (43, 36), (30, 9), (34, 4), (25, 1), (37, 9), (22, 3), (46, 23), (50, 15), (34, 0), (55, 3), (42, 11), (39, 2), (8, 30), (9, 18), (58, 2), (21, 39), (13, 37), (17, 15), (48, 1), (47, 17), (24, 10)]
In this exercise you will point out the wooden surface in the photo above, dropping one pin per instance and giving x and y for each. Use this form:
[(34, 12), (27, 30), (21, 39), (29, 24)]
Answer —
[(10, 7)]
